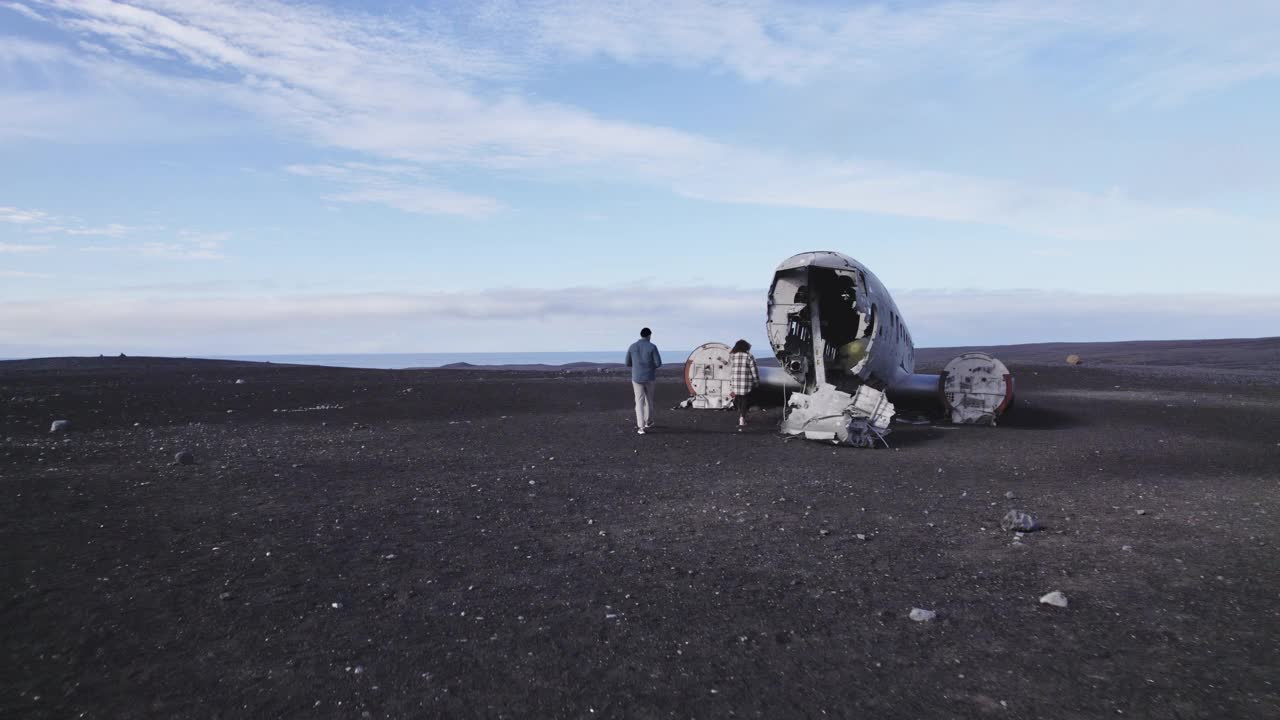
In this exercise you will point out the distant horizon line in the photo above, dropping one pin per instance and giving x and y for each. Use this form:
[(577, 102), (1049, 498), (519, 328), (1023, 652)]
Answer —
[(233, 356)]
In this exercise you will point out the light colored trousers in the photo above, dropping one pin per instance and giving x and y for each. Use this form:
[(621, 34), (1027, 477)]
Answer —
[(644, 401)]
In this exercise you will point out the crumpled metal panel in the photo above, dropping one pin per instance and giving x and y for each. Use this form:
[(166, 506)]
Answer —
[(857, 420)]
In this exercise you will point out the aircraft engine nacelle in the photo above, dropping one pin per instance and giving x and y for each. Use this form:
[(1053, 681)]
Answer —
[(975, 389), (707, 376)]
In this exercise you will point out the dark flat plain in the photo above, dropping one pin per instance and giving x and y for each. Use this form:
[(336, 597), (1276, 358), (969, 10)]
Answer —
[(502, 544)]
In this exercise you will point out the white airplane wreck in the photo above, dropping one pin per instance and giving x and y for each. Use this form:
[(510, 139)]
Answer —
[(846, 358)]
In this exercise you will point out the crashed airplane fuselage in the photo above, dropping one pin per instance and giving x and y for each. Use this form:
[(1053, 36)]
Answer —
[(846, 357)]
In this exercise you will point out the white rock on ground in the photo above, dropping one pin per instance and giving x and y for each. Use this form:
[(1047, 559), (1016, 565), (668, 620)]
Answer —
[(1018, 520), (1055, 598), (60, 426), (922, 615)]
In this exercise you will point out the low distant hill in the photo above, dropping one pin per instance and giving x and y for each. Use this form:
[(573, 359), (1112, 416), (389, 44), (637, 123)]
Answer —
[(1258, 354), (535, 367), (1236, 355)]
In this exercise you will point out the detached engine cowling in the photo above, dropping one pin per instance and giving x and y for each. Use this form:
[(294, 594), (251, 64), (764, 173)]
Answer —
[(708, 377), (976, 389)]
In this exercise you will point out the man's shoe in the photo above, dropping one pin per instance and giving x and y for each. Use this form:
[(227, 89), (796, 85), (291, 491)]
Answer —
[(640, 431)]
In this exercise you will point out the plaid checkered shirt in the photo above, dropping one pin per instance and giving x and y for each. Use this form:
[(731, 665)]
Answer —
[(745, 377)]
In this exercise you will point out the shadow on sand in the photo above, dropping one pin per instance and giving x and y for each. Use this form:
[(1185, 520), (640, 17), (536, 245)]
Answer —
[(1039, 417), (911, 436)]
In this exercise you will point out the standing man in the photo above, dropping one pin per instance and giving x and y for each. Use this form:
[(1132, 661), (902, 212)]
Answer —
[(644, 361)]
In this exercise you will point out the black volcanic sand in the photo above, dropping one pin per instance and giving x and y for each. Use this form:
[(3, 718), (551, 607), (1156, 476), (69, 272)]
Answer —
[(469, 543)]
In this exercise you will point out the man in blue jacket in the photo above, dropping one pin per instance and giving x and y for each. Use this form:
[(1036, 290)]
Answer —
[(644, 361)]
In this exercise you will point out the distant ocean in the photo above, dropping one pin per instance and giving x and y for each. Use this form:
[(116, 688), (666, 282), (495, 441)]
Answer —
[(396, 361)]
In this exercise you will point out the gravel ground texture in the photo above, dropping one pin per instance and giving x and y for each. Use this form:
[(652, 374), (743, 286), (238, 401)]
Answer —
[(490, 543)]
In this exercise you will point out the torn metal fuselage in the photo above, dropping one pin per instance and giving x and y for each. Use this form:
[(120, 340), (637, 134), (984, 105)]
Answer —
[(847, 361), (848, 357), (837, 333)]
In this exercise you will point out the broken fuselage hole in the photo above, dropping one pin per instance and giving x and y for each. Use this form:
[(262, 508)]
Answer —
[(825, 328)]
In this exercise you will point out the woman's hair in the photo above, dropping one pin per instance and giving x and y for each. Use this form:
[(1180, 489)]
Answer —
[(741, 346)]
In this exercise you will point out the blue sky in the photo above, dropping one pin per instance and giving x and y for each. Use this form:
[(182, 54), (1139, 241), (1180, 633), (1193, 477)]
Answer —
[(192, 177)]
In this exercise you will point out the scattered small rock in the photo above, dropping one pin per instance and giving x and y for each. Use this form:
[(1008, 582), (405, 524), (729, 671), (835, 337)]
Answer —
[(1010, 495), (225, 596), (921, 615), (240, 381), (1018, 520), (1055, 598), (1075, 360), (824, 532), (184, 457), (860, 536), (60, 426), (1127, 548), (1142, 512)]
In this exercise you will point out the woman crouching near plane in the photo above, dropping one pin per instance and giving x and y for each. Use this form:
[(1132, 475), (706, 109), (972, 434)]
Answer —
[(744, 377)]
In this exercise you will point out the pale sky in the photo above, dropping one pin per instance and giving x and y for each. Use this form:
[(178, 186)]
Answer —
[(193, 177)]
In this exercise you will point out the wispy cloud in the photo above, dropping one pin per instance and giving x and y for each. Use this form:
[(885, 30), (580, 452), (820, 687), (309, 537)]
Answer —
[(22, 217), (484, 319), (1160, 51), (22, 274), (793, 43), (181, 250), (974, 317), (403, 187), (14, 248), (113, 230), (39, 222), (411, 90), (153, 241), (24, 11), (591, 318)]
